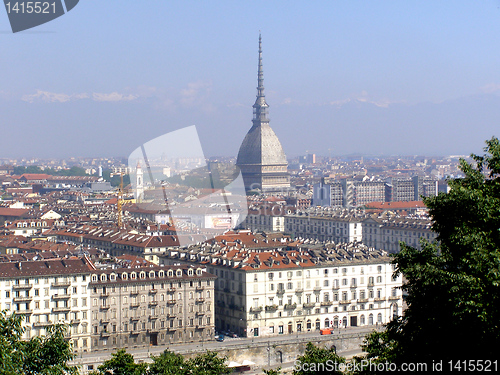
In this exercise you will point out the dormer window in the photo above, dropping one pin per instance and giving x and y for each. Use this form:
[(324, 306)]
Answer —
[(161, 273), (103, 277), (151, 274), (133, 275), (142, 275), (178, 273), (94, 277), (190, 272), (112, 277), (198, 271), (124, 276), (170, 273)]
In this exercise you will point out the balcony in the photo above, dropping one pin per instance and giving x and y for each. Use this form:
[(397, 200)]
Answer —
[(171, 290), (134, 304), (309, 304), (42, 324), (371, 283), (105, 321), (134, 292), (134, 332), (362, 300), (24, 312), (200, 313), (105, 334), (353, 286), (200, 300), (326, 303), (379, 299), (152, 317), (335, 287), (394, 297), (104, 307), (171, 302), (61, 284), (317, 289), (344, 302), (255, 309), (61, 296), (290, 306), (153, 303), (271, 307), (199, 288), (280, 291), (134, 318), (22, 299), (75, 321), (299, 290), (61, 309), (22, 286), (153, 291)]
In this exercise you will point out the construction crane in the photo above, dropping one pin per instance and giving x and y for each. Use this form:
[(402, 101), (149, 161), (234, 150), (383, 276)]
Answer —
[(119, 202)]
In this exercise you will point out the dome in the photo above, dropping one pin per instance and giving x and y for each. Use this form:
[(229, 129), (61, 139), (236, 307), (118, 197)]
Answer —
[(261, 146)]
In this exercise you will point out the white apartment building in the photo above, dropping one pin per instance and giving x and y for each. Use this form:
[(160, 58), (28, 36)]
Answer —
[(388, 231), (271, 292), (340, 228), (49, 292)]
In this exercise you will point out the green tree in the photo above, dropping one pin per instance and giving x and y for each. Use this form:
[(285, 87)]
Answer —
[(122, 363), (207, 364), (276, 371), (167, 363), (453, 288), (46, 355), (11, 353), (318, 360)]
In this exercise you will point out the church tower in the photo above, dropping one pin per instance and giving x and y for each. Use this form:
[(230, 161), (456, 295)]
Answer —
[(261, 158), (139, 192)]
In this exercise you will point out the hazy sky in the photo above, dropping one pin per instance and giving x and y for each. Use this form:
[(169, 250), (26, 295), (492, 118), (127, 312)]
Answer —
[(373, 77)]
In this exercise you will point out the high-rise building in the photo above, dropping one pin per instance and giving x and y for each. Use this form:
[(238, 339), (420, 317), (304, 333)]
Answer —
[(261, 158)]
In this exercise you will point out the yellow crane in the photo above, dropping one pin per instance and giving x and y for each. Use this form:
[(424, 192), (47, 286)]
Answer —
[(119, 202)]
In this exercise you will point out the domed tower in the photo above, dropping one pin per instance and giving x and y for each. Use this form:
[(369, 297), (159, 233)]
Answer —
[(261, 158)]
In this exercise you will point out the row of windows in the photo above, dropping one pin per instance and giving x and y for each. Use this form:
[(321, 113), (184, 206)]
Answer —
[(142, 275)]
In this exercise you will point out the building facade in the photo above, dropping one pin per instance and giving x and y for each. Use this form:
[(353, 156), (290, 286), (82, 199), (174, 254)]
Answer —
[(150, 306)]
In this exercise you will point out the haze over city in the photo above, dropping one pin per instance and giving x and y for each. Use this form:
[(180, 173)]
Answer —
[(341, 77)]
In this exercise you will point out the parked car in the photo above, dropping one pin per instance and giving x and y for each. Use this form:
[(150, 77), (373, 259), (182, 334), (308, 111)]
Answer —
[(326, 331), (219, 338)]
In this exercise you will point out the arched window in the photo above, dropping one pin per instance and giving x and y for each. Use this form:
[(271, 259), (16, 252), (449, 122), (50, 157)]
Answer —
[(161, 273), (151, 274), (142, 275), (170, 273), (94, 277), (124, 276), (379, 318), (103, 277), (327, 323), (133, 275), (190, 272), (178, 273), (370, 319), (362, 320)]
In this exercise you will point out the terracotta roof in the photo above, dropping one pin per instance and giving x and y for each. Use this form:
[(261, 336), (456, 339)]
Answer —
[(42, 268)]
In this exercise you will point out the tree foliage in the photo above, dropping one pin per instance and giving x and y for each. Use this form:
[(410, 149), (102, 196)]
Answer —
[(47, 355), (167, 363), (453, 287), (317, 360), (122, 363)]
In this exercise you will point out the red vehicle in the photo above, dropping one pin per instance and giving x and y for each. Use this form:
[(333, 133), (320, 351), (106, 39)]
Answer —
[(326, 331)]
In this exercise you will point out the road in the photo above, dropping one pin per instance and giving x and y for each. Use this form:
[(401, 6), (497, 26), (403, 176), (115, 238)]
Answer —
[(143, 354)]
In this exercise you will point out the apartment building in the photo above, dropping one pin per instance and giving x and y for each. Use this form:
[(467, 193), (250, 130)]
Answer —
[(387, 231), (340, 227), (49, 292), (133, 307), (266, 292)]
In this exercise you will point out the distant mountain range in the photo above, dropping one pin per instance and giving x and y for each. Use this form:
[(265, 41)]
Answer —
[(93, 128)]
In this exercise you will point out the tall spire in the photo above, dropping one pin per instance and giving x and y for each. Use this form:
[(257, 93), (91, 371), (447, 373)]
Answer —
[(260, 107)]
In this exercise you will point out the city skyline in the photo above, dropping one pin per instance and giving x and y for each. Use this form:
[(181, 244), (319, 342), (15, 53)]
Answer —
[(341, 78)]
